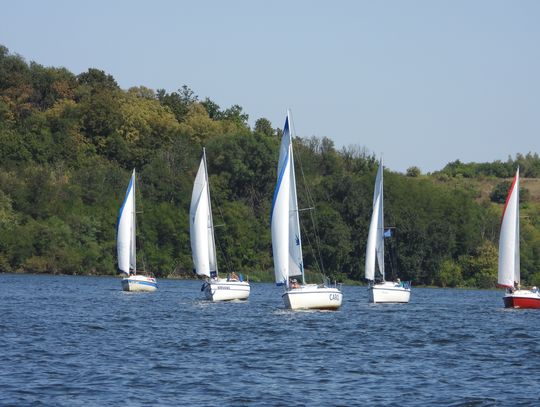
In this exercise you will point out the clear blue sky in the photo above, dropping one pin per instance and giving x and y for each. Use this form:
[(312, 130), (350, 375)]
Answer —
[(421, 82)]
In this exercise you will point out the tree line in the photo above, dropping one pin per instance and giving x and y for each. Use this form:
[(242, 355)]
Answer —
[(69, 142)]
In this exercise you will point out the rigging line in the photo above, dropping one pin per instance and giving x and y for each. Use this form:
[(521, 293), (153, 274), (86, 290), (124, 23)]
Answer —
[(224, 256), (311, 246), (224, 225), (139, 204), (311, 202)]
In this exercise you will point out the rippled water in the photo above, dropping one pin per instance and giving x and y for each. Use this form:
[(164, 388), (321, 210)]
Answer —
[(82, 341)]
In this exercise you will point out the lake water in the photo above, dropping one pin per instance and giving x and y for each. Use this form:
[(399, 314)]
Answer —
[(81, 341)]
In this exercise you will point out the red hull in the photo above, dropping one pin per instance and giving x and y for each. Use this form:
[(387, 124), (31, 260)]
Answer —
[(521, 302)]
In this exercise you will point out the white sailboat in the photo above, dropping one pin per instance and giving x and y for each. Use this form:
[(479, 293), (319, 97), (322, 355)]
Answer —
[(382, 291), (126, 245), (286, 239), (203, 246), (509, 272)]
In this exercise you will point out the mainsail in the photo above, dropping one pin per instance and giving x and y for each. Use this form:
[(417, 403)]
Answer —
[(285, 225), (126, 230), (509, 238), (201, 226), (375, 242)]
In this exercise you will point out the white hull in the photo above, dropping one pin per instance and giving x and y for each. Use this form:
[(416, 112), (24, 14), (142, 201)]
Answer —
[(313, 296), (389, 292), (139, 283), (223, 290)]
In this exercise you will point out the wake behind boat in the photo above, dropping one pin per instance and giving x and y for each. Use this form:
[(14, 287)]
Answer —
[(203, 246), (126, 245), (509, 265), (383, 291), (286, 239)]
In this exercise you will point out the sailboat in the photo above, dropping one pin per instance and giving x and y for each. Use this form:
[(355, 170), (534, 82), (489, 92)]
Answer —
[(287, 243), (382, 291), (509, 273), (126, 245), (203, 245)]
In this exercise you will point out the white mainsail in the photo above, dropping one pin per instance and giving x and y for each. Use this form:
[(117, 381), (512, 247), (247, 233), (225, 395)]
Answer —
[(201, 226), (375, 242), (509, 238), (285, 225), (126, 230)]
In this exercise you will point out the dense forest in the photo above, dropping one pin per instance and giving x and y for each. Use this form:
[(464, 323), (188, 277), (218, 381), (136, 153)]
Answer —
[(69, 142)]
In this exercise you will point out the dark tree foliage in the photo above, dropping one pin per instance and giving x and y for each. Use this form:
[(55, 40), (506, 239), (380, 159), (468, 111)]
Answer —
[(529, 165), (68, 144), (500, 192), (179, 102)]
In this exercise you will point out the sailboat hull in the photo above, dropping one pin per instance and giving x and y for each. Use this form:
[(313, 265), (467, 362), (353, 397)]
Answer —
[(313, 297), (389, 292), (139, 283), (522, 299), (223, 290)]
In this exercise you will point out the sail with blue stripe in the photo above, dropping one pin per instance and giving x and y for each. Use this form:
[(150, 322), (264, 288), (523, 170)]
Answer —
[(285, 225)]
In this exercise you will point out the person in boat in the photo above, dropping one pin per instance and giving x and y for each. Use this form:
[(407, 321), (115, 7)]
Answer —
[(294, 283), (233, 276), (516, 286), (399, 283)]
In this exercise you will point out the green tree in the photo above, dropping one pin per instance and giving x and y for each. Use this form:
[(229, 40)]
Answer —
[(413, 172)]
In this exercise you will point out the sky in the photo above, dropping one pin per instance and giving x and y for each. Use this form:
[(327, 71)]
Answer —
[(422, 83)]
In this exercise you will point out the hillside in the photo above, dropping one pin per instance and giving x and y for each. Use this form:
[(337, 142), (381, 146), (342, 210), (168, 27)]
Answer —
[(68, 144)]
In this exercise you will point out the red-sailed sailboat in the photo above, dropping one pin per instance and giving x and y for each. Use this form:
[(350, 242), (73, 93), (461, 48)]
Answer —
[(509, 276)]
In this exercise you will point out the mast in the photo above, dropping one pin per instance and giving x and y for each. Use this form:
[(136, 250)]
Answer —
[(133, 242), (294, 204), (380, 234), (211, 220)]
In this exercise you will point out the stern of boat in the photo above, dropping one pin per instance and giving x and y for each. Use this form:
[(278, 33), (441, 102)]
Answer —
[(226, 290), (525, 299), (313, 297), (139, 283), (389, 292)]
